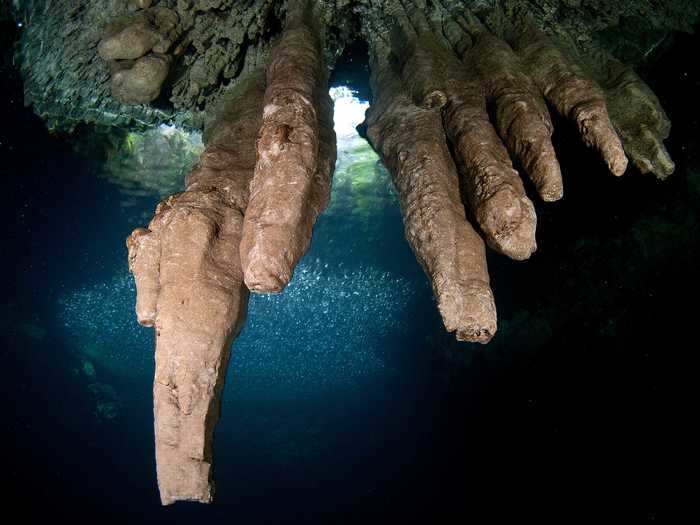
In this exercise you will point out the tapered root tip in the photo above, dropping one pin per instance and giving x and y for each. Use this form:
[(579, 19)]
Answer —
[(509, 222), (546, 174), (478, 331), (598, 132), (475, 334), (649, 154), (551, 189), (266, 277), (616, 160), (469, 310), (551, 194)]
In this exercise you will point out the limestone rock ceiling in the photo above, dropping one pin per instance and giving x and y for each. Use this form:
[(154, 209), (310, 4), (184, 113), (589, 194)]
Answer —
[(215, 40)]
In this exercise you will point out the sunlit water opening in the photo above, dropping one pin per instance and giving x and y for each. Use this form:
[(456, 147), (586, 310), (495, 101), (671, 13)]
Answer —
[(331, 328)]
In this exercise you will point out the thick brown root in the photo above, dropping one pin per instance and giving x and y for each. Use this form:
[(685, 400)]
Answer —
[(521, 115), (190, 287), (639, 119), (412, 144), (424, 76), (296, 156), (494, 190), (573, 94)]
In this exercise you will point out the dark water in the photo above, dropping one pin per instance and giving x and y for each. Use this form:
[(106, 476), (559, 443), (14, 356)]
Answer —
[(345, 401)]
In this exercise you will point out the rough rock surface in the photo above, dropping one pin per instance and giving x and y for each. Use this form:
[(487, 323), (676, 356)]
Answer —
[(573, 94), (67, 84), (190, 287), (137, 78), (521, 116), (139, 81), (296, 156), (413, 147)]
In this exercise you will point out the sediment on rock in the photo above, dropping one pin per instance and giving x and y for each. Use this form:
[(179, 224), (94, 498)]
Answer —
[(296, 156), (411, 142), (190, 288)]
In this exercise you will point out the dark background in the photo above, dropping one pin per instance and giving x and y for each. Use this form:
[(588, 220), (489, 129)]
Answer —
[(573, 412)]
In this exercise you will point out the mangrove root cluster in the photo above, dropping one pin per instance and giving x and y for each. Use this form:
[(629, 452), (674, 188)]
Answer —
[(245, 218), (412, 143), (453, 104)]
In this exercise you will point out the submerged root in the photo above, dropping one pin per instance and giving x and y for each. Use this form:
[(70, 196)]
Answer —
[(639, 119), (296, 157), (573, 93), (412, 144), (189, 285)]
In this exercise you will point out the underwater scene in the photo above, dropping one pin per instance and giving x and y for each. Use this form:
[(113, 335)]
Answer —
[(346, 400)]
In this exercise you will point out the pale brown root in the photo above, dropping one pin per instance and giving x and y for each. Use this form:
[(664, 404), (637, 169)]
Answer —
[(412, 144), (296, 153), (521, 115), (573, 94), (494, 189), (144, 257), (190, 287)]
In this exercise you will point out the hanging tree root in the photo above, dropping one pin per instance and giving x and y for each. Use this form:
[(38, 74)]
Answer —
[(573, 93), (638, 118), (418, 74), (521, 116), (493, 188), (296, 156), (411, 142), (619, 116), (190, 287)]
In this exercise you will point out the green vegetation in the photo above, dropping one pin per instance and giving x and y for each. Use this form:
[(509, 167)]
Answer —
[(153, 162)]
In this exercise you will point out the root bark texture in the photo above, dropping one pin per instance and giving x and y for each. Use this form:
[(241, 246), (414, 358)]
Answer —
[(412, 144), (296, 157), (190, 287)]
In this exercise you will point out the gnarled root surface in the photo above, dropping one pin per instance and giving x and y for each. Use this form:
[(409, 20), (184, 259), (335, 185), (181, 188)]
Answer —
[(190, 287), (494, 190), (296, 157), (520, 114), (639, 119), (411, 142), (452, 67), (573, 94)]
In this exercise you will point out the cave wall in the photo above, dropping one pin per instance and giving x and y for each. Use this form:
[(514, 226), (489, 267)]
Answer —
[(215, 41)]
